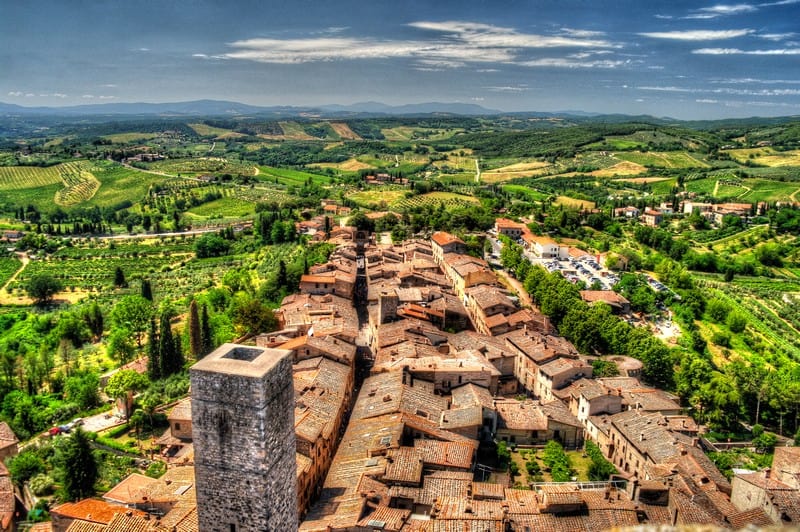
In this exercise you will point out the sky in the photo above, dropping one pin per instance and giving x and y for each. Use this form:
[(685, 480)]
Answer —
[(686, 60)]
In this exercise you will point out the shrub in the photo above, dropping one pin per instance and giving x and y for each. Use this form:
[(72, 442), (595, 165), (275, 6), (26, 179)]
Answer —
[(41, 484)]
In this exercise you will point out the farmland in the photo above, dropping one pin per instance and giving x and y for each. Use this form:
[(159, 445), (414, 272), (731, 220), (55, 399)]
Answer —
[(662, 159), (448, 199), (202, 165), (766, 156), (377, 197)]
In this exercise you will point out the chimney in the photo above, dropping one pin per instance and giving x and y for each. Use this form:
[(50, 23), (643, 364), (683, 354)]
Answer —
[(641, 436), (767, 473)]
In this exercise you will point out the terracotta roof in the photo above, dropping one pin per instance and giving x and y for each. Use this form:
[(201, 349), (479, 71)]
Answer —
[(92, 510), (520, 415), (405, 465), (442, 238), (445, 454), (317, 279), (606, 296)]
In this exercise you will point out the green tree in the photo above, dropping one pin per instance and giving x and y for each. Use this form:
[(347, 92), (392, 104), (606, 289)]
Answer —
[(251, 316), (736, 322), (93, 316), (123, 384), (153, 352), (25, 465), (82, 390), (78, 465), (133, 312), (120, 345), (42, 287)]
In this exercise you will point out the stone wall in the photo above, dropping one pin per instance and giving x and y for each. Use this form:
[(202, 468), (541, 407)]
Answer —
[(244, 440)]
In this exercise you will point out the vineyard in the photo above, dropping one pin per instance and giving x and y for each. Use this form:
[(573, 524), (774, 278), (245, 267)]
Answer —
[(673, 159), (203, 165), (288, 177), (80, 185), (21, 177), (8, 266), (448, 199)]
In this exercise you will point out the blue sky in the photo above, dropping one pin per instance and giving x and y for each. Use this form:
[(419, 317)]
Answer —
[(680, 59)]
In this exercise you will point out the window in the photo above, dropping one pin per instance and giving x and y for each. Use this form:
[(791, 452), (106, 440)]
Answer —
[(232, 527), (177, 426)]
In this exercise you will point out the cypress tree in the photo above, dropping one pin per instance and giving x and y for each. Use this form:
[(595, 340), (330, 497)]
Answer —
[(147, 290), (166, 346), (153, 353), (119, 278), (195, 334), (79, 466)]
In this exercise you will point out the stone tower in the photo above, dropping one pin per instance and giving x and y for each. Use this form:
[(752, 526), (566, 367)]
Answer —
[(244, 440)]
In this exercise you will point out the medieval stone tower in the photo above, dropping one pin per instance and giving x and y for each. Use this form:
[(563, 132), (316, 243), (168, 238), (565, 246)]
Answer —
[(244, 440)]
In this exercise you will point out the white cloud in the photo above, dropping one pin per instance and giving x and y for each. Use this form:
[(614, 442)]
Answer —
[(144, 49), (582, 33), (106, 97), (706, 100), (558, 62), (738, 51), (477, 99), (29, 95), (729, 9), (88, 96), (777, 36), (508, 88), (459, 43), (109, 86), (698, 35), (15, 93)]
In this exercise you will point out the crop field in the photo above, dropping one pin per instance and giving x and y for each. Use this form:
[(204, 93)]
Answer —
[(529, 193), (515, 171), (623, 168), (448, 199), (365, 198), (80, 185), (766, 156), (8, 266), (456, 161), (407, 133), (229, 207), (671, 159), (23, 177), (221, 133), (344, 131), (574, 203), (124, 138), (289, 177), (760, 189), (350, 165), (203, 165), (295, 131)]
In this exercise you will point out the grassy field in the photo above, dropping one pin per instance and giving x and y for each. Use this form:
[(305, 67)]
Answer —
[(622, 168), (206, 131), (229, 207), (574, 203), (671, 159), (125, 138), (350, 165), (65, 184), (760, 189), (766, 156), (376, 197), (407, 133), (516, 170), (529, 193), (289, 177), (295, 131), (344, 131)]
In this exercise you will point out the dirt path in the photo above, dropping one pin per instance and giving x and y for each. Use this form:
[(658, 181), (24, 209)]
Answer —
[(524, 298), (477, 172), (716, 188), (793, 195)]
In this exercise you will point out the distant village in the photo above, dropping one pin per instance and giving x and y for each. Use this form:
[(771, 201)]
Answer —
[(450, 361)]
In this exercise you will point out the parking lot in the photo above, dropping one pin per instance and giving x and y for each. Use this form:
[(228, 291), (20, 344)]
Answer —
[(584, 269)]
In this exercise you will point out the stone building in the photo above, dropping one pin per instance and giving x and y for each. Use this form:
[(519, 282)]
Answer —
[(244, 439)]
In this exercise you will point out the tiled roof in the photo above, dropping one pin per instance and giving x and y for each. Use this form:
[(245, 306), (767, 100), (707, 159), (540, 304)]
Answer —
[(131, 490), (520, 415), (445, 454), (442, 238), (405, 465), (7, 436), (92, 510), (182, 411)]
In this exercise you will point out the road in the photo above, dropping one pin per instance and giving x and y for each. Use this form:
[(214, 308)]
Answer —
[(524, 298)]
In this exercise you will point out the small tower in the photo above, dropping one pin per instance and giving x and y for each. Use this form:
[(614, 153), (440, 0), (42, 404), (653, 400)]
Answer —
[(244, 440)]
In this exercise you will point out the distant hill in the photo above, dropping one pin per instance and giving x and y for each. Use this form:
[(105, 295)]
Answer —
[(227, 108)]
